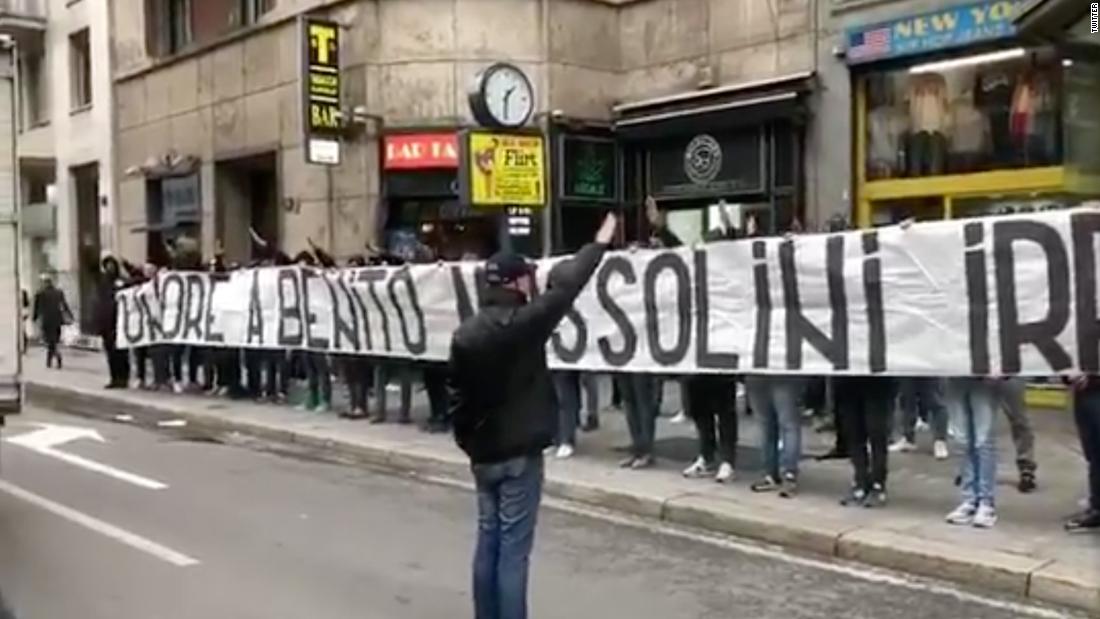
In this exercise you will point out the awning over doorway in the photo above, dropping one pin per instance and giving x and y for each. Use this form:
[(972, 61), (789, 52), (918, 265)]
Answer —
[(723, 107)]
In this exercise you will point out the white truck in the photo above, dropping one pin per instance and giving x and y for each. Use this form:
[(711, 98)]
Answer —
[(11, 294)]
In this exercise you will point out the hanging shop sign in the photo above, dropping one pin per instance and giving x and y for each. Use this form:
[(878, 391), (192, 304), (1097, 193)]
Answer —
[(947, 28), (416, 151), (502, 169), (589, 168), (707, 165), (320, 80)]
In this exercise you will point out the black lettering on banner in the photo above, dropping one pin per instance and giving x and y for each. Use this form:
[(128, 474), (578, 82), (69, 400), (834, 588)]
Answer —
[(290, 310), (704, 358), (464, 307), (621, 266), (342, 328), (307, 274), (799, 328), (152, 320), (872, 293), (174, 280), (213, 336), (762, 341), (196, 302), (419, 344), (671, 262), (371, 277), (977, 294), (125, 303), (361, 307), (1042, 333), (255, 330), (1085, 228)]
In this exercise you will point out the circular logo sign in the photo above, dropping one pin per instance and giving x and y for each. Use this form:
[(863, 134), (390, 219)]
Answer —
[(702, 159)]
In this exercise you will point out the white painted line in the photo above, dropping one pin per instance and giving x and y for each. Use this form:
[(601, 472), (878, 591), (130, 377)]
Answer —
[(172, 423), (880, 576), (103, 469), (103, 528)]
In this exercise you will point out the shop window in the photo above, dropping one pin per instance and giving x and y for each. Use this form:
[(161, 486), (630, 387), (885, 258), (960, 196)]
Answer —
[(80, 69), (987, 112)]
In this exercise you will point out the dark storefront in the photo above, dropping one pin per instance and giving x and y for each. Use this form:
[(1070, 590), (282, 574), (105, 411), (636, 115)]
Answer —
[(421, 191), (736, 149), (587, 183)]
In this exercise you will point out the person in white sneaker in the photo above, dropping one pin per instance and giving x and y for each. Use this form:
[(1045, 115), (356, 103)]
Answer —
[(922, 398), (710, 398), (973, 403)]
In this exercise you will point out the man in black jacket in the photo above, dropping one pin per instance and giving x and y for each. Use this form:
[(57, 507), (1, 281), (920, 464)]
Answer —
[(106, 317), (51, 312), (505, 413)]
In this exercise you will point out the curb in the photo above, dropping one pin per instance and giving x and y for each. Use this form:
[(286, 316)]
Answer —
[(1039, 580)]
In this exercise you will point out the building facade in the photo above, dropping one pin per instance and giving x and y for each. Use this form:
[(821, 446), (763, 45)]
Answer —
[(64, 145), (209, 102)]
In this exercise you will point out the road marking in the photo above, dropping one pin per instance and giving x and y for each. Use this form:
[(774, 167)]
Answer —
[(48, 437), (103, 528), (869, 574)]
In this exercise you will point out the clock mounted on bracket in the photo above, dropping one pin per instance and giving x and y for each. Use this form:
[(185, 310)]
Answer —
[(502, 96)]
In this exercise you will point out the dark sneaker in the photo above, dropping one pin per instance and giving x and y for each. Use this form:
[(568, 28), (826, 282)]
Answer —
[(833, 454), (876, 497), (1088, 520), (789, 488), (591, 424), (1028, 483), (768, 484), (855, 498)]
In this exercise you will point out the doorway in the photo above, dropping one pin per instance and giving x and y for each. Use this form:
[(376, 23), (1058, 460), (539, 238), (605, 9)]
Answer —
[(247, 192), (85, 182)]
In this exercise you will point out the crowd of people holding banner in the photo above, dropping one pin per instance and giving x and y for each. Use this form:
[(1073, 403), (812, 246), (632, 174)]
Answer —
[(863, 407)]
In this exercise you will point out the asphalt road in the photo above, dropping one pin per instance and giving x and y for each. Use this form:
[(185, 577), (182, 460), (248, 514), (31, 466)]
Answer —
[(242, 533)]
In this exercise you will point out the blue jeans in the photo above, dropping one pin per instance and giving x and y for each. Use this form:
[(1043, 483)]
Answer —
[(973, 404), (1086, 412), (508, 495), (775, 399), (639, 392)]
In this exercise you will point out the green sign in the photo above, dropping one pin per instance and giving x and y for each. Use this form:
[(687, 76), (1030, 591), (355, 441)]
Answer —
[(589, 169)]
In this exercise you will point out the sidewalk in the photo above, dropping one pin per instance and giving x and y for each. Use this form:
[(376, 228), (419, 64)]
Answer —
[(1027, 554)]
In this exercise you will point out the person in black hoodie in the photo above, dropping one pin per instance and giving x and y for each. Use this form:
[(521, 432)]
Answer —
[(1086, 411), (51, 311), (504, 412), (106, 319)]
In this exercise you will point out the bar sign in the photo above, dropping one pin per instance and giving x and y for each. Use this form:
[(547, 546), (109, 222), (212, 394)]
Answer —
[(322, 119)]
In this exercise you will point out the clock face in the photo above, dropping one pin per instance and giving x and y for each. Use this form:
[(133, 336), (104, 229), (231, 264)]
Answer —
[(509, 98)]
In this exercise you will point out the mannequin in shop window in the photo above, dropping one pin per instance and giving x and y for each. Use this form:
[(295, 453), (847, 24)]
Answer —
[(887, 128), (993, 94), (970, 135), (928, 119), (1033, 123)]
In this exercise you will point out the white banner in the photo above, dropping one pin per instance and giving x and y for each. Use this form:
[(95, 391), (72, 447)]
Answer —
[(1003, 295)]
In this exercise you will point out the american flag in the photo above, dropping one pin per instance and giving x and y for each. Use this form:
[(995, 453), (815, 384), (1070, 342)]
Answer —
[(869, 43)]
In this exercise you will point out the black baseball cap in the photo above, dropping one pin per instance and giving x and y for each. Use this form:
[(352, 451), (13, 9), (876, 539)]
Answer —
[(505, 267)]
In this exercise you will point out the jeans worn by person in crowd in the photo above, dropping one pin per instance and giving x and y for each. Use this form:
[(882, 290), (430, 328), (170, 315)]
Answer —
[(508, 496), (639, 393), (1086, 413), (922, 398), (435, 383), (775, 399), (866, 404), (1013, 393), (972, 405)]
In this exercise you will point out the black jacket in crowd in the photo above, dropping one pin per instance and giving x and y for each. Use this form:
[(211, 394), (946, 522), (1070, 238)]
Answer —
[(500, 394)]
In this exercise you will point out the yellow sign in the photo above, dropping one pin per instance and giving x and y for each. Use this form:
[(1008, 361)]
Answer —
[(321, 91), (506, 170)]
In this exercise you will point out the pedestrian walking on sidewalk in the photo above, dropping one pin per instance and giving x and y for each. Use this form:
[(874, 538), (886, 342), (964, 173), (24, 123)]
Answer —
[(505, 413), (1086, 412), (51, 312)]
